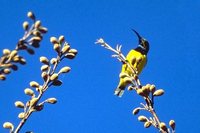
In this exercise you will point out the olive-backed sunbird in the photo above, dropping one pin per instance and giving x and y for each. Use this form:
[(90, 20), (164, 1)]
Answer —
[(139, 52)]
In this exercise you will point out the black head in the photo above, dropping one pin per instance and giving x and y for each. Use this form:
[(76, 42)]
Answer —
[(143, 43)]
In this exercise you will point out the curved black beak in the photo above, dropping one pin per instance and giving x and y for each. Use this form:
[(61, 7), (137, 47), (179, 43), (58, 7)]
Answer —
[(138, 35)]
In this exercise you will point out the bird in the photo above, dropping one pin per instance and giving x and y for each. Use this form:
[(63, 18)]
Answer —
[(141, 52)]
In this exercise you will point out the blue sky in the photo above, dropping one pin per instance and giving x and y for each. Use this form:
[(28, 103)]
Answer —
[(86, 103)]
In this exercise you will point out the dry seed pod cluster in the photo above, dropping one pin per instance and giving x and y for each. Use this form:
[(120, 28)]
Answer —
[(148, 92), (50, 75), (32, 37)]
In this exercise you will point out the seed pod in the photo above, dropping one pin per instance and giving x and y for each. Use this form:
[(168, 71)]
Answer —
[(31, 15), (29, 92), (25, 25), (163, 126), (51, 100), (43, 30), (34, 84), (33, 101), (37, 24), (147, 124), (21, 115), (54, 77), (141, 93), (70, 55), (142, 118), (6, 51), (44, 60), (16, 59), (65, 48), (56, 47), (74, 51), (136, 111), (13, 53), (61, 39), (146, 90), (123, 75), (19, 104), (35, 40), (8, 125), (44, 76), (44, 67), (53, 61), (53, 40), (159, 92), (152, 88), (6, 71), (172, 124), (36, 33), (64, 69), (2, 77)]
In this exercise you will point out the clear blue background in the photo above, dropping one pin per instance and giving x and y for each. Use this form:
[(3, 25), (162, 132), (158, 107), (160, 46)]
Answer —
[(86, 103)]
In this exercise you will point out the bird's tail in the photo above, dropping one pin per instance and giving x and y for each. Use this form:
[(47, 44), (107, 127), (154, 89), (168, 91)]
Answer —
[(119, 91)]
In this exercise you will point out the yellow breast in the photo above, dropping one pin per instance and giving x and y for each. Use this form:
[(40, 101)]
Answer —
[(135, 54)]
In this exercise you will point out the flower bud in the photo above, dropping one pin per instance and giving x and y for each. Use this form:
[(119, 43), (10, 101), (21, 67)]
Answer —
[(13, 53), (6, 71), (159, 92), (136, 111), (34, 84), (172, 124), (146, 90), (21, 115), (70, 55), (8, 125), (44, 60), (6, 51), (31, 15), (29, 92), (147, 124), (65, 48), (65, 69), (37, 24), (61, 39), (54, 77), (33, 101), (44, 67), (53, 40), (43, 29), (142, 118), (141, 93), (19, 104), (53, 61), (163, 126), (2, 77), (51, 100), (25, 25), (44, 76), (74, 51), (152, 88), (56, 47), (35, 39)]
